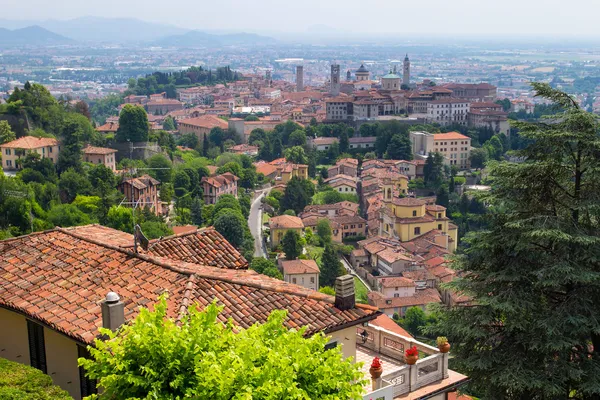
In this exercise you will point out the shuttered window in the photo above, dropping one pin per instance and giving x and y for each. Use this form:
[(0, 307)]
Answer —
[(37, 347), (87, 385)]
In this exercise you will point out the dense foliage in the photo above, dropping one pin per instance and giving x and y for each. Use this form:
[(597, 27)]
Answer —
[(155, 357), (22, 382), (534, 273)]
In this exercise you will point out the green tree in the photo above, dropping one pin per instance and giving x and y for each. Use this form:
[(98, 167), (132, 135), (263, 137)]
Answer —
[(433, 171), (231, 224), (331, 267), (169, 125), (155, 229), (344, 143), (133, 124), (75, 130), (297, 138), (6, 134), (494, 148), (296, 155), (162, 168), (324, 230), (442, 197), (327, 290), (414, 319), (65, 215), (399, 148), (534, 274), (259, 264), (196, 211), (463, 205), (120, 218), (478, 158), (73, 183), (298, 194), (291, 245), (188, 357)]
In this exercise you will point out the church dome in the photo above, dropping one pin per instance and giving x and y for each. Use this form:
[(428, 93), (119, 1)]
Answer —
[(362, 69), (391, 76)]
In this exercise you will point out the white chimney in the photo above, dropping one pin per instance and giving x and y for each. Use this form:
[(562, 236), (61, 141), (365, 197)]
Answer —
[(113, 311)]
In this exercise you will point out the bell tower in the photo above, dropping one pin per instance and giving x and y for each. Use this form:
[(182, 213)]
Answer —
[(406, 71)]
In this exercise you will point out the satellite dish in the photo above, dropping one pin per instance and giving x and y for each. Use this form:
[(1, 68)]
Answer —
[(139, 236)]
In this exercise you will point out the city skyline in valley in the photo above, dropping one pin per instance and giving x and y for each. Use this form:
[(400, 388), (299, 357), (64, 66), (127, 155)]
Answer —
[(511, 18)]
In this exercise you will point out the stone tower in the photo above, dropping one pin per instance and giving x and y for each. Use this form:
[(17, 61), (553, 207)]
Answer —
[(268, 77), (348, 76), (406, 74), (299, 78), (335, 80)]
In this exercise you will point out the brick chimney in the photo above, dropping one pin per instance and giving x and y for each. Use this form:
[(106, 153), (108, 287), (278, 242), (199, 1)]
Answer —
[(113, 311), (344, 292)]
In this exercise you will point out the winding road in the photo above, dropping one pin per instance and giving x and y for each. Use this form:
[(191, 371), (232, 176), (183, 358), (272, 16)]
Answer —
[(255, 224)]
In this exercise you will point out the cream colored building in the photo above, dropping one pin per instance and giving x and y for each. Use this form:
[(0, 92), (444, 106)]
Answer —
[(101, 155), (455, 147), (301, 272), (13, 152)]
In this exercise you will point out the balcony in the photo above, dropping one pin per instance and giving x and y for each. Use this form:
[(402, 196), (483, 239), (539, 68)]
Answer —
[(429, 377)]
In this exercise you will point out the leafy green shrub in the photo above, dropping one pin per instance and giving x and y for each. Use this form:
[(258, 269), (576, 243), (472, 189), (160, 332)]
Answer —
[(202, 358), (22, 382)]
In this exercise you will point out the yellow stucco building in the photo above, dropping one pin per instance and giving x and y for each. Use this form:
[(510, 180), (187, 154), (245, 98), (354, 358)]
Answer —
[(408, 218), (281, 224)]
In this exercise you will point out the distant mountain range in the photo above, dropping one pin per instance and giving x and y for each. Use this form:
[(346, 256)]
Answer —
[(203, 39), (116, 30), (31, 36)]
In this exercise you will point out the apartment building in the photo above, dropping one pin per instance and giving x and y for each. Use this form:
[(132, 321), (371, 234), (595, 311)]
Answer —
[(455, 147), (201, 126), (101, 155), (216, 186), (448, 112), (13, 152), (142, 192)]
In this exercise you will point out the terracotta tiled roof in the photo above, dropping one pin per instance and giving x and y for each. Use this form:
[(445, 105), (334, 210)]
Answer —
[(206, 121), (396, 281), (141, 182), (285, 222), (108, 127), (421, 297), (59, 279), (177, 230), (30, 142), (98, 150), (450, 136), (294, 267), (385, 322), (409, 201), (204, 246), (265, 168)]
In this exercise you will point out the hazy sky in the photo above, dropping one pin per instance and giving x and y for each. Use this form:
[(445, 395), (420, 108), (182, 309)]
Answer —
[(507, 17)]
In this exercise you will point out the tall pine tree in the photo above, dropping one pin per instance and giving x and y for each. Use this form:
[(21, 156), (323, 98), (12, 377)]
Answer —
[(331, 267), (533, 330)]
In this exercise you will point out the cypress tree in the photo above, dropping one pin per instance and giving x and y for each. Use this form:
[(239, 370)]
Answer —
[(532, 331)]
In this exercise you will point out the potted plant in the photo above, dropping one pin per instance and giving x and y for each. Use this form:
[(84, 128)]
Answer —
[(442, 344), (376, 369), (411, 355)]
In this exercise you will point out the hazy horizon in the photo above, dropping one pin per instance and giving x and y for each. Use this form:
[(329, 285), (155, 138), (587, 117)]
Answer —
[(510, 18)]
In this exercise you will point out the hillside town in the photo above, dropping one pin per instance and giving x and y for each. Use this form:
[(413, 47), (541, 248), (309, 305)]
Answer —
[(367, 227)]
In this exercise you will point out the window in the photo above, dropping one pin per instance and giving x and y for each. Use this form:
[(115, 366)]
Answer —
[(293, 280), (414, 213), (312, 279), (37, 347), (8, 152), (87, 385), (417, 231), (439, 215), (396, 294), (439, 227), (331, 345)]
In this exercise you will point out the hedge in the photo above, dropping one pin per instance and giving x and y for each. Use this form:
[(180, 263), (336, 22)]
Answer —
[(22, 382)]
